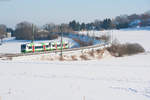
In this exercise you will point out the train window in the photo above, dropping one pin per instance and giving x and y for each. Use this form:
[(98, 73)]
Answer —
[(47, 46), (30, 47), (58, 45), (38, 47), (53, 45), (66, 44), (23, 46)]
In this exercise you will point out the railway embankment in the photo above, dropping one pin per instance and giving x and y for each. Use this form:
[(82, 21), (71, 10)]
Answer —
[(84, 53)]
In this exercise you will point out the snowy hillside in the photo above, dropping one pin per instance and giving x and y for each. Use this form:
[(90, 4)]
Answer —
[(130, 35), (133, 36)]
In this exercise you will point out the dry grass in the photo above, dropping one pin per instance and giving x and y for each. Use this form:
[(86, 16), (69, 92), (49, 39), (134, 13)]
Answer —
[(74, 58), (61, 58), (91, 53), (98, 51), (84, 57)]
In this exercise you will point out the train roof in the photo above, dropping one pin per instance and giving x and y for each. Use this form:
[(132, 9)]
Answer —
[(42, 43)]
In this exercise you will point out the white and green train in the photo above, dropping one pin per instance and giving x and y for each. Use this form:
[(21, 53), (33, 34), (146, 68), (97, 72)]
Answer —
[(39, 47)]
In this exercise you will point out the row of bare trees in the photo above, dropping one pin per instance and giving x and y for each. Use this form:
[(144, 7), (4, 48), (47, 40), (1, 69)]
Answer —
[(3, 29), (28, 31)]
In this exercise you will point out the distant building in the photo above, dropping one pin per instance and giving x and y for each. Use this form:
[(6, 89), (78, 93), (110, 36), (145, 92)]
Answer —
[(135, 23), (8, 34), (41, 30)]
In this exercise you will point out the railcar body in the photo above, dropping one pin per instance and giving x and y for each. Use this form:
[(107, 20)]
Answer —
[(39, 47)]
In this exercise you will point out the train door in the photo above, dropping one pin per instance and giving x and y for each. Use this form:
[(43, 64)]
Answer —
[(33, 48), (44, 47)]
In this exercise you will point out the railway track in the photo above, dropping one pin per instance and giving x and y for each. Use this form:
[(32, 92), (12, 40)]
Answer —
[(9, 55)]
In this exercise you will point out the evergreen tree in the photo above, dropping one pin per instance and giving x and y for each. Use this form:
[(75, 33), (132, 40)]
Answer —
[(106, 24), (83, 26), (74, 25)]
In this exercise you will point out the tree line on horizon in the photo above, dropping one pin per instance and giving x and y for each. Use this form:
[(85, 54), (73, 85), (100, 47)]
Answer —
[(119, 22), (24, 30)]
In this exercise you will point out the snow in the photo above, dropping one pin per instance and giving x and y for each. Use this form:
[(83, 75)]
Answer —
[(116, 79), (130, 35), (135, 36), (124, 78)]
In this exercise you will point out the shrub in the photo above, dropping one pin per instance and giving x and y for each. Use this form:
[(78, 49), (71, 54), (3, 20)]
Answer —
[(84, 57), (61, 58), (74, 58), (91, 53), (98, 51), (104, 38), (119, 50), (82, 43), (134, 48)]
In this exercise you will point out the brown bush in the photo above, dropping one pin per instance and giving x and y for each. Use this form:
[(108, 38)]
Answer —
[(98, 51), (104, 38), (91, 53), (61, 58), (135, 48), (82, 43), (119, 50), (84, 57), (74, 58)]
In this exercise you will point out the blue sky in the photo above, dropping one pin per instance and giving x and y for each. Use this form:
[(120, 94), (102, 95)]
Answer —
[(62, 11)]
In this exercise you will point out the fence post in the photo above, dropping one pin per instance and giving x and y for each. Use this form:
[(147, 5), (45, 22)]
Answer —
[(83, 97)]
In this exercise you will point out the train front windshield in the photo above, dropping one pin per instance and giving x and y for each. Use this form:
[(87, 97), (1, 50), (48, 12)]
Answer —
[(23, 47)]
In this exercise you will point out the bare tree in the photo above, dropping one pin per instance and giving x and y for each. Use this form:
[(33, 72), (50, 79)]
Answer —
[(121, 19), (49, 27), (147, 12), (3, 29), (133, 17), (24, 31), (56, 28), (66, 28)]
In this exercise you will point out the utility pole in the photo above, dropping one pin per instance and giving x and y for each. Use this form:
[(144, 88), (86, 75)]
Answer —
[(32, 33), (61, 42), (112, 37), (93, 34)]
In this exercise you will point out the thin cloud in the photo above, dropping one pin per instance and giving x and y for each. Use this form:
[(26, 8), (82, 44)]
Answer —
[(4, 0)]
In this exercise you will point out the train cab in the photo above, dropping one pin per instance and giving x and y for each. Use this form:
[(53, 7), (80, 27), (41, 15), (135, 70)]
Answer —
[(23, 47)]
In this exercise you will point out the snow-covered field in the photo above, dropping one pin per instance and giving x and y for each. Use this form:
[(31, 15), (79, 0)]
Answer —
[(114, 79), (126, 78)]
